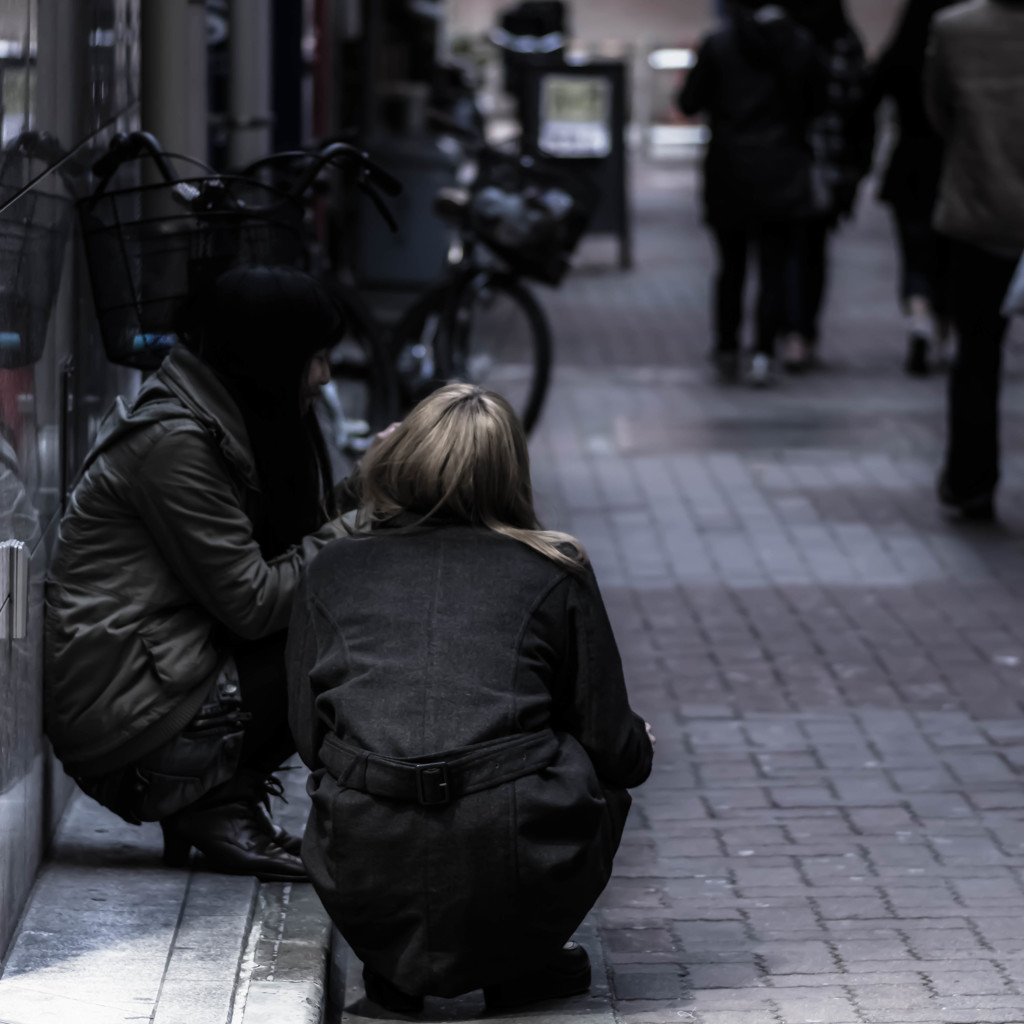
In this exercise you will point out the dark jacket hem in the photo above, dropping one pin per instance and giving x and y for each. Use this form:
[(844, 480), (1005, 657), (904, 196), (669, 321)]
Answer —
[(164, 729)]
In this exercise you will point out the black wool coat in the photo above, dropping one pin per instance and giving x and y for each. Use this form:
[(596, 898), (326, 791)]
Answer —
[(455, 644)]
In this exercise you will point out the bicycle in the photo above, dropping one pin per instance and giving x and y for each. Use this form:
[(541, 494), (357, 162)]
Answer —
[(150, 245), (480, 323)]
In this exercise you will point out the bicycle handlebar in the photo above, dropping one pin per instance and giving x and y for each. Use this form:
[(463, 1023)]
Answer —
[(127, 147), (333, 153), (371, 175)]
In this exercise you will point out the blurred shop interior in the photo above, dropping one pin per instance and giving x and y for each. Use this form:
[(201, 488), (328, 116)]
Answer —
[(227, 82)]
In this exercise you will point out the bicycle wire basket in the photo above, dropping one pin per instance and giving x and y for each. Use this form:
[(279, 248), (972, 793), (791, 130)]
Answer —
[(531, 212), (34, 227), (150, 246)]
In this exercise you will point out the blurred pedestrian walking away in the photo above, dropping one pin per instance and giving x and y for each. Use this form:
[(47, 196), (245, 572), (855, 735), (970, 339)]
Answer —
[(842, 139), (458, 693), (910, 185), (197, 510), (758, 80), (974, 90)]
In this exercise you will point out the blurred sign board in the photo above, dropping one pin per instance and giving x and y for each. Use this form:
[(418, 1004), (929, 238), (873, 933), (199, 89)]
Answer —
[(575, 116), (576, 111)]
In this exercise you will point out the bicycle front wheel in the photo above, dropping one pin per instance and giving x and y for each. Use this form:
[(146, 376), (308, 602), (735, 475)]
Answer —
[(496, 335)]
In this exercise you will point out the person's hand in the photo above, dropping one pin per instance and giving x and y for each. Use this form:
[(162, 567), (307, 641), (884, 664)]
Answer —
[(650, 733), (381, 434)]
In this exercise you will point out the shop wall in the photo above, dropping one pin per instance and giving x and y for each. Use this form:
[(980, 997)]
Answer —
[(68, 68)]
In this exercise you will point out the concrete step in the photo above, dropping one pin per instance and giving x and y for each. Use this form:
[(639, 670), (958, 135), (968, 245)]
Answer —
[(110, 935)]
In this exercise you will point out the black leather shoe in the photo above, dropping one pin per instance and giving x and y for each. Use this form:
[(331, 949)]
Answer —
[(978, 509), (234, 839), (382, 992), (567, 973)]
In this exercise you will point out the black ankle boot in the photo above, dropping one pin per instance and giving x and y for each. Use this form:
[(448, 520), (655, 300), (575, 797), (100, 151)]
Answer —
[(237, 837), (264, 788), (389, 996), (979, 508), (567, 973)]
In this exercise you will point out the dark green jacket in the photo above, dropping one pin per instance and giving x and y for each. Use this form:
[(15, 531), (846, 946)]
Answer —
[(156, 570)]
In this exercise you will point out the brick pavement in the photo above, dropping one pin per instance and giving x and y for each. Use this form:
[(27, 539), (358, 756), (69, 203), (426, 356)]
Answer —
[(834, 831)]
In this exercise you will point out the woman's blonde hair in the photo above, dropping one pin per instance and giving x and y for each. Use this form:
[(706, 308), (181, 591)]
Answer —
[(461, 455)]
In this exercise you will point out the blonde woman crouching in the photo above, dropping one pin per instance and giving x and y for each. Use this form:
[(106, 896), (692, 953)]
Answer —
[(457, 692)]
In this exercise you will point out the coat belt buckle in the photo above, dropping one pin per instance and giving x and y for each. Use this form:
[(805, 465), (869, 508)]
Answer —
[(432, 783)]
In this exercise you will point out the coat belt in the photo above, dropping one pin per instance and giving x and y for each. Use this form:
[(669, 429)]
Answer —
[(443, 777)]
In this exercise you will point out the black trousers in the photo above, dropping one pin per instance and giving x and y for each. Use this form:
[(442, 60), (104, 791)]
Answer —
[(924, 258), (774, 244), (238, 737), (978, 281), (808, 274)]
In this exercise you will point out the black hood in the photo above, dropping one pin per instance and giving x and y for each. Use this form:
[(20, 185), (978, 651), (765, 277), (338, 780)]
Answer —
[(765, 34), (825, 20)]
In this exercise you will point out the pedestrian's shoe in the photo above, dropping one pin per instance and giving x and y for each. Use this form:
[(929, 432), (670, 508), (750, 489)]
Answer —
[(237, 838), (918, 351), (796, 354), (977, 509), (387, 995), (567, 973), (761, 372), (727, 365)]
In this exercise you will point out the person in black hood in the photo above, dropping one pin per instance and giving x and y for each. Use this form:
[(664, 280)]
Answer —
[(236, 327), (758, 81), (197, 510)]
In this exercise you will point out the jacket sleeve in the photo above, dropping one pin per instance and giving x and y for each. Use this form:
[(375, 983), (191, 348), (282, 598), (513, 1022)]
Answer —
[(694, 97), (936, 84), (186, 500), (594, 706)]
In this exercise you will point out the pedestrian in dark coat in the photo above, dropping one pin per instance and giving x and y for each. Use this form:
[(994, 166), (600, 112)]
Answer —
[(197, 509), (457, 692), (759, 81), (974, 84), (910, 183), (842, 138)]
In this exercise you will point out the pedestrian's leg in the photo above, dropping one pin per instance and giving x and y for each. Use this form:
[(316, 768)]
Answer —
[(938, 290), (979, 281), (728, 287), (814, 277), (796, 350), (917, 287), (774, 245)]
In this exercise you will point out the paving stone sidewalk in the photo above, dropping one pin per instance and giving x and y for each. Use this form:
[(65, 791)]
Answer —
[(834, 830)]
